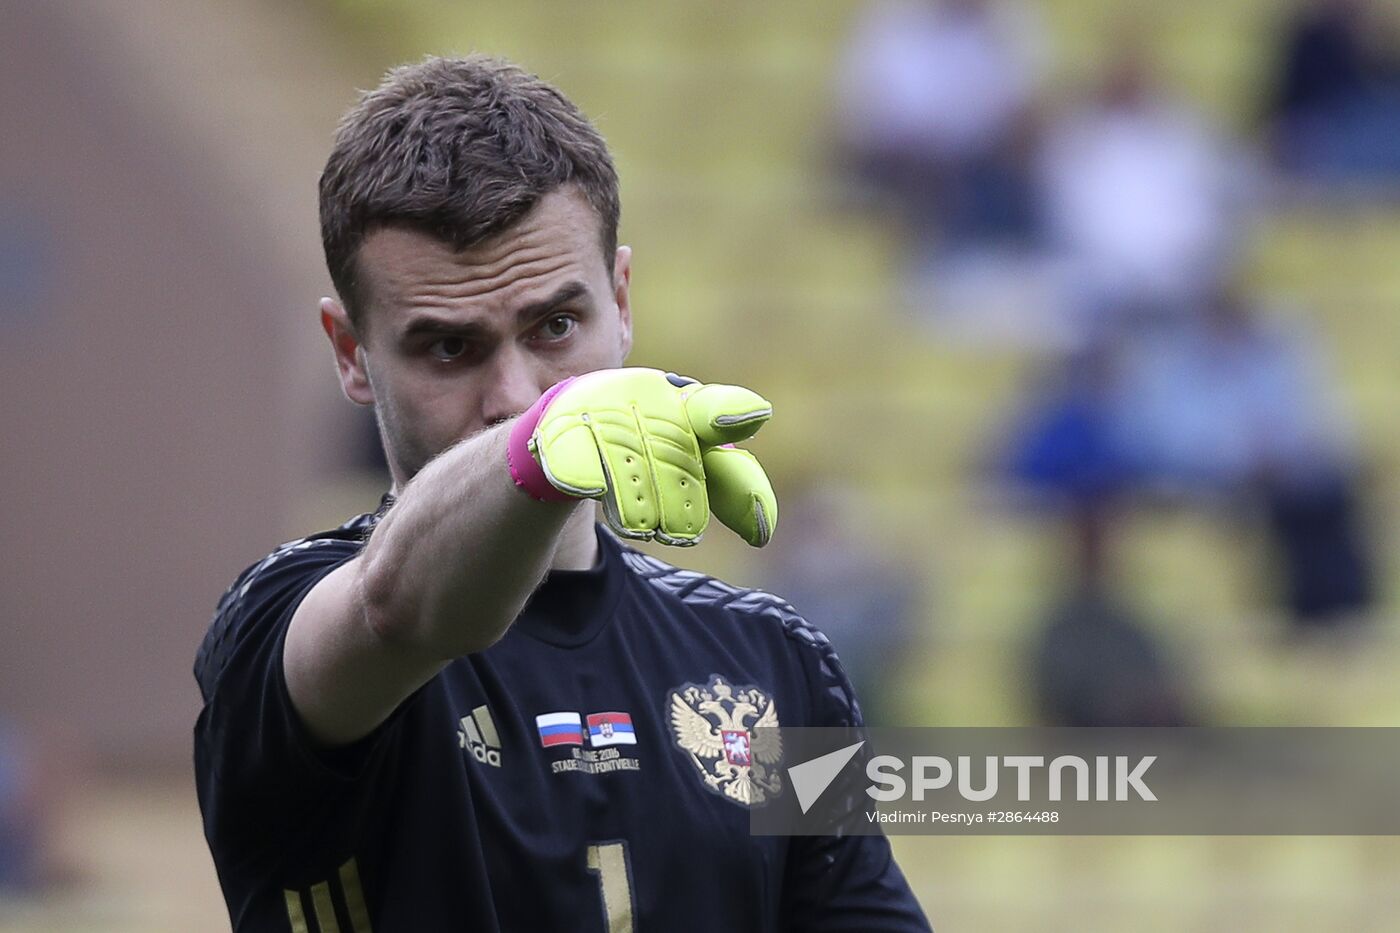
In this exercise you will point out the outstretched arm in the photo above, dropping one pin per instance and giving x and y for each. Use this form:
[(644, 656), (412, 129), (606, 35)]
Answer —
[(443, 574), (449, 568)]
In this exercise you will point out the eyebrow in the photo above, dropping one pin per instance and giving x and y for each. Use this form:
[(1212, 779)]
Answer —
[(525, 314)]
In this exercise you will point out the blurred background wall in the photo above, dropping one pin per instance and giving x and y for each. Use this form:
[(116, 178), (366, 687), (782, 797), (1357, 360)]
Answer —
[(1077, 315)]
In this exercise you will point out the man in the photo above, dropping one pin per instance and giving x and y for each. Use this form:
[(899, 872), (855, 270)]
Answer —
[(404, 728)]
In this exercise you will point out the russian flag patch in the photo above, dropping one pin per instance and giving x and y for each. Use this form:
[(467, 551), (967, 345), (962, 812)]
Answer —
[(610, 729), (560, 729)]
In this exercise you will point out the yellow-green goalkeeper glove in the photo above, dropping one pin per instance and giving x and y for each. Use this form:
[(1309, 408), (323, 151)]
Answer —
[(655, 447)]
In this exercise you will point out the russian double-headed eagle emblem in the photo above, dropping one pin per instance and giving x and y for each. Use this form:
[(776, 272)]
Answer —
[(714, 724)]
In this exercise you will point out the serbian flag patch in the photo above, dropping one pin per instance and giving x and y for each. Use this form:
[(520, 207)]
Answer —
[(610, 729), (560, 729)]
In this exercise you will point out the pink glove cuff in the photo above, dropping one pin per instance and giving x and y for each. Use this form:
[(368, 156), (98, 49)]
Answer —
[(524, 469)]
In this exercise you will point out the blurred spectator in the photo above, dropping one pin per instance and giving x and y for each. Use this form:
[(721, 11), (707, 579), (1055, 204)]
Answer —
[(1235, 407), (1226, 406), (1068, 447), (19, 822), (1231, 394), (933, 95), (862, 600), (1335, 109), (27, 266), (1141, 196), (1094, 662)]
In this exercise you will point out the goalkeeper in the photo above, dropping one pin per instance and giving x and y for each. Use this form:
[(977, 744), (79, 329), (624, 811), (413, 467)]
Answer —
[(476, 708)]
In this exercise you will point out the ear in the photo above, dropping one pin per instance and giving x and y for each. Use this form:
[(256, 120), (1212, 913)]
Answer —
[(349, 355), (622, 294)]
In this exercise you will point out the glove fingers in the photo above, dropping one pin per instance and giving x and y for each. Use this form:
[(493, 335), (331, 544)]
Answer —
[(740, 494), (650, 447), (725, 414), (684, 504), (568, 454), (673, 457), (631, 504)]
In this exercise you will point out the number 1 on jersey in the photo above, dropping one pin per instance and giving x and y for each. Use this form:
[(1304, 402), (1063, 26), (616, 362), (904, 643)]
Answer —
[(608, 860)]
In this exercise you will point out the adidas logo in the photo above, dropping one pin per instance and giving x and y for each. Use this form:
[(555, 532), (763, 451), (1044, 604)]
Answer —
[(477, 732)]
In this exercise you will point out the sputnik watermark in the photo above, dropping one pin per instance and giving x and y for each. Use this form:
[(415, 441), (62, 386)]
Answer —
[(1114, 778), (1167, 781)]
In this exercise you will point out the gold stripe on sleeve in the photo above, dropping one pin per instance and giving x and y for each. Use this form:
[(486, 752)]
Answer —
[(294, 914), (354, 898), (325, 908)]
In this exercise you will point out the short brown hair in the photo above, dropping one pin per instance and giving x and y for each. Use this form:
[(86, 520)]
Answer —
[(459, 149)]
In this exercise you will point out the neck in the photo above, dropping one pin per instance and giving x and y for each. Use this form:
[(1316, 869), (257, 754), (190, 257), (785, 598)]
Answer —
[(578, 542)]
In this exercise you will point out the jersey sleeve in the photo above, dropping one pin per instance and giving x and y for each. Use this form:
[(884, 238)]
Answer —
[(263, 782), (843, 882)]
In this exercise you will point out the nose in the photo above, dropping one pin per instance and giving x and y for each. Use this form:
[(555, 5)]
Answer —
[(512, 385)]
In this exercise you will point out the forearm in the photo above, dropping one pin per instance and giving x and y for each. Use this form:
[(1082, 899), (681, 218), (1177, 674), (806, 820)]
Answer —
[(452, 563)]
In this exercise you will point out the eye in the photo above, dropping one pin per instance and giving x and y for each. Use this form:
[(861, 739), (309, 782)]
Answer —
[(558, 327), (448, 348)]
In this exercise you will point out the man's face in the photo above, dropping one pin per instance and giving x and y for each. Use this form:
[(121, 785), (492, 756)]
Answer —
[(452, 343)]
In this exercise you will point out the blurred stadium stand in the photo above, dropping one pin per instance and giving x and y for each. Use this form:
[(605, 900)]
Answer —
[(181, 416)]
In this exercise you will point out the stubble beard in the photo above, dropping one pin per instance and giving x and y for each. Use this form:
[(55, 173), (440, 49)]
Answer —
[(402, 451)]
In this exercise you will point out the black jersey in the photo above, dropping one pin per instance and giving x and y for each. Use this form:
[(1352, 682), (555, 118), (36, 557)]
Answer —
[(581, 774)]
